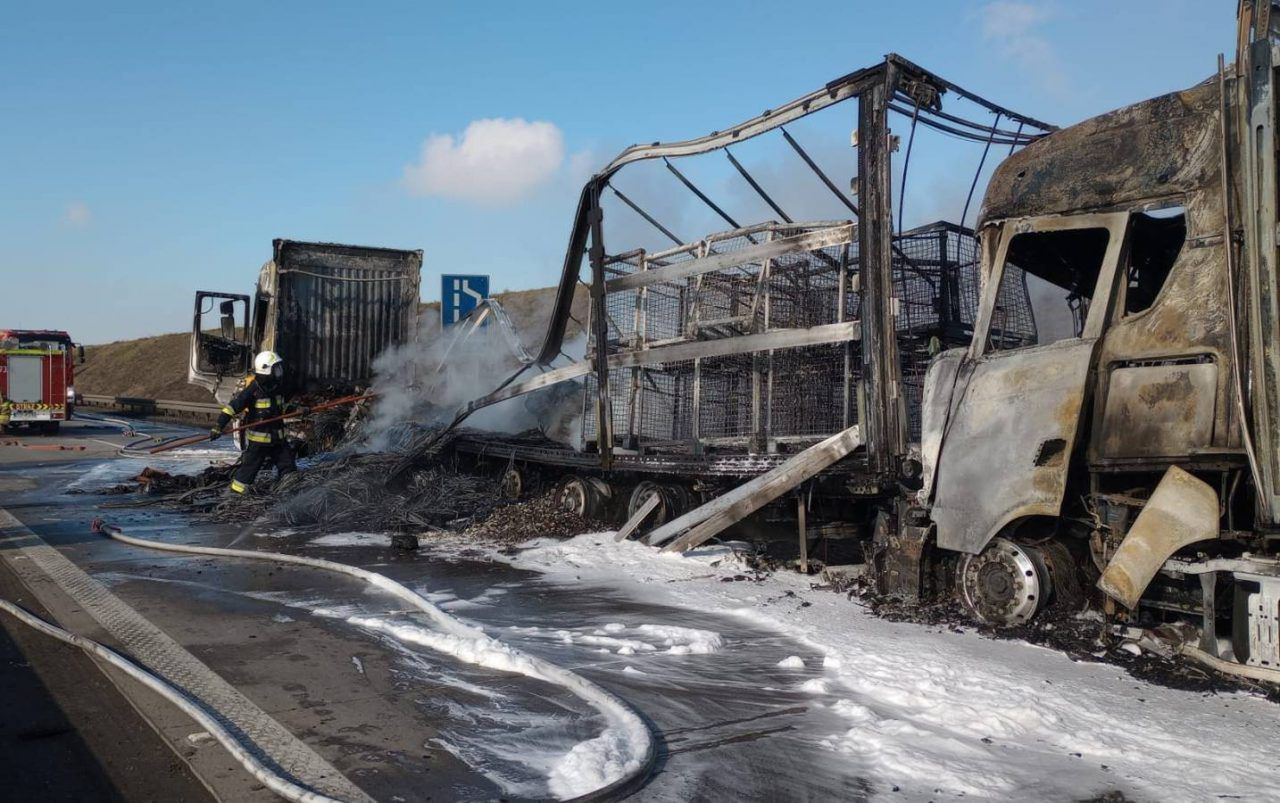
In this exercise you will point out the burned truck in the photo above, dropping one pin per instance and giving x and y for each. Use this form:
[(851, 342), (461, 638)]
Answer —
[(775, 367), (1099, 421), (1138, 449), (328, 310)]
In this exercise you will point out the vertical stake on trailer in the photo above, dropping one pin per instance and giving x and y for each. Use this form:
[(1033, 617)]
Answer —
[(803, 529), (604, 409), (880, 369)]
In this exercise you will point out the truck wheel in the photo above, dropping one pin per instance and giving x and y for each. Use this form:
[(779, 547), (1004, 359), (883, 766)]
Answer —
[(512, 483), (674, 502), (582, 496), (1005, 584), (50, 427)]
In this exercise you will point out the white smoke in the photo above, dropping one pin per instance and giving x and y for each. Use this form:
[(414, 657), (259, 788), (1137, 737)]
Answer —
[(427, 381)]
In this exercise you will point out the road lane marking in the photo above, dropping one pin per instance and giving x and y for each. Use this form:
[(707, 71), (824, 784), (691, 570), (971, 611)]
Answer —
[(270, 741)]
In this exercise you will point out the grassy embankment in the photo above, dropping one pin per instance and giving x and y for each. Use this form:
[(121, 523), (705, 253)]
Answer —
[(156, 367)]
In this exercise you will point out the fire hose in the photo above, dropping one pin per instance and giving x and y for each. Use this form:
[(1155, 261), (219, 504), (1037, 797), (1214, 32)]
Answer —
[(164, 447), (470, 645), (279, 784)]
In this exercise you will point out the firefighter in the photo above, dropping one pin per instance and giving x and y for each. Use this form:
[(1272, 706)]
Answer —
[(261, 399)]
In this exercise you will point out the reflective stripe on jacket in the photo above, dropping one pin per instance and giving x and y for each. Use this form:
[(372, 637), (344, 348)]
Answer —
[(257, 404)]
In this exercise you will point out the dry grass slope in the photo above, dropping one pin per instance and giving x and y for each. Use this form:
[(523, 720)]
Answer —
[(156, 367)]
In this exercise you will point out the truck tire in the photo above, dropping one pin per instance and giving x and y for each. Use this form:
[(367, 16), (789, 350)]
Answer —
[(582, 496), (674, 501), (50, 427)]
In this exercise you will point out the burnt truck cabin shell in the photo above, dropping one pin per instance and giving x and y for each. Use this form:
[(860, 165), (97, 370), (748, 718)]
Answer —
[(328, 309), (1143, 439), (1145, 383), (335, 309)]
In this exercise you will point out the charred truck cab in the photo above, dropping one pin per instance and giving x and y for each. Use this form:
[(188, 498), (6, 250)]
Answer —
[(327, 309), (1132, 442)]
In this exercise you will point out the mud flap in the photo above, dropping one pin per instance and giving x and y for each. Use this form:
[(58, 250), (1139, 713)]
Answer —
[(1181, 511)]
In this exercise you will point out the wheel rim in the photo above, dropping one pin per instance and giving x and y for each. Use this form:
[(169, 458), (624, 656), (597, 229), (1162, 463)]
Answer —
[(1005, 584), (573, 497), (641, 495), (512, 483)]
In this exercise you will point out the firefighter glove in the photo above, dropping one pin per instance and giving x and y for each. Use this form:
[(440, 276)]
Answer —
[(215, 433)]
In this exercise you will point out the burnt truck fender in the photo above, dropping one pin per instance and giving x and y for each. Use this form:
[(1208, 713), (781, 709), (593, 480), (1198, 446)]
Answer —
[(1183, 510)]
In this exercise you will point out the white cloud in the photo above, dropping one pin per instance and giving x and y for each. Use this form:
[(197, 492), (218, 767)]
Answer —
[(495, 161), (1014, 27), (77, 214)]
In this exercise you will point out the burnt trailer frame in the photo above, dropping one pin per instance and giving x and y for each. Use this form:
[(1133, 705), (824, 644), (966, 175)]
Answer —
[(876, 89), (880, 446)]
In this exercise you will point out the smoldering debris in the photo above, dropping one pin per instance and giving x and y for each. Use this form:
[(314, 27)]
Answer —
[(349, 491), (541, 517), (427, 381)]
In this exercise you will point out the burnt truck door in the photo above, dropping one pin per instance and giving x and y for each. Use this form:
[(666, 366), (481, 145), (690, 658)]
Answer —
[(221, 353), (1020, 390)]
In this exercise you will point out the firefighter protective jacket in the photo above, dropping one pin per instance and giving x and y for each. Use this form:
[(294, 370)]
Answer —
[(257, 403)]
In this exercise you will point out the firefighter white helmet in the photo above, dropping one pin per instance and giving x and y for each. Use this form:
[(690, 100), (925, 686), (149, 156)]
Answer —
[(265, 362)]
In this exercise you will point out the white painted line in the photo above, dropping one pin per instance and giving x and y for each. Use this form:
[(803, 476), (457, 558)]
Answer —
[(270, 741)]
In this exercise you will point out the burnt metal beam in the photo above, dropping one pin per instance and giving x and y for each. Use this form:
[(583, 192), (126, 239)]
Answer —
[(977, 174), (600, 331), (700, 194), (882, 429), (649, 218), (980, 135), (680, 352), (817, 171), (755, 186), (800, 243)]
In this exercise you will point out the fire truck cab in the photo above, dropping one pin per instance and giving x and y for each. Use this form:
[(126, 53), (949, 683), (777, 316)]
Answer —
[(37, 378)]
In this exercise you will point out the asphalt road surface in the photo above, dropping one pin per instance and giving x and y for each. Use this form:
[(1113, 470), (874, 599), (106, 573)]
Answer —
[(400, 722)]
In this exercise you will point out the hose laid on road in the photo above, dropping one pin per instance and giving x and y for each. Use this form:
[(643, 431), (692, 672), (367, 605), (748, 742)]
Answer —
[(282, 786), (470, 645)]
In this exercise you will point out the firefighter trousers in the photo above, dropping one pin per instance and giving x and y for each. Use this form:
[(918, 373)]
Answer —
[(255, 454)]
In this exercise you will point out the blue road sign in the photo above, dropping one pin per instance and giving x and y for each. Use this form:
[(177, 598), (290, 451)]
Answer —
[(459, 295)]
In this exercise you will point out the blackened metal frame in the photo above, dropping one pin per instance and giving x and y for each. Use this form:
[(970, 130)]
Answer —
[(877, 88)]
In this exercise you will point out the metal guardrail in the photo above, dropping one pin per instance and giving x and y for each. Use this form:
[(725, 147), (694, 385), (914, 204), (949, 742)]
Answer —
[(160, 408)]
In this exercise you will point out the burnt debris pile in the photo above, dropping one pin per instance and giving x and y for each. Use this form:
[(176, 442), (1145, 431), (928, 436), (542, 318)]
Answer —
[(540, 517), (350, 493), (350, 490)]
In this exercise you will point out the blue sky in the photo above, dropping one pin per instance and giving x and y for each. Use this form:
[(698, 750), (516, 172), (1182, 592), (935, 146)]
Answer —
[(152, 151)]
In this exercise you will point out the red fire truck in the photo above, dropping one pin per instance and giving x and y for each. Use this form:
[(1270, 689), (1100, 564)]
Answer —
[(37, 378)]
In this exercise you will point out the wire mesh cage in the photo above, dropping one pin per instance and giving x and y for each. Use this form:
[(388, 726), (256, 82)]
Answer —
[(937, 283), (770, 398)]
